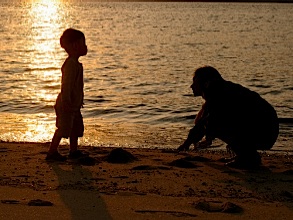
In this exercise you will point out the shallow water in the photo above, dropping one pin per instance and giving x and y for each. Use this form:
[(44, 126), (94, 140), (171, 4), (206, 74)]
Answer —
[(139, 66)]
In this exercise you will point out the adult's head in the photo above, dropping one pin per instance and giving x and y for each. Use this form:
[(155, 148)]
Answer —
[(202, 77)]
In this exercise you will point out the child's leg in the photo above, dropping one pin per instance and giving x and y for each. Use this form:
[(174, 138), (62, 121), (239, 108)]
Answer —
[(55, 142), (73, 140), (53, 154), (76, 131), (61, 123), (74, 152)]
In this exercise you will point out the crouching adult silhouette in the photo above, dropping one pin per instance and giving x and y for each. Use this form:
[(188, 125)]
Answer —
[(234, 114)]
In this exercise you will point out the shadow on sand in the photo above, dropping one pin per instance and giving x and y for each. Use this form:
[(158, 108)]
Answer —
[(78, 194)]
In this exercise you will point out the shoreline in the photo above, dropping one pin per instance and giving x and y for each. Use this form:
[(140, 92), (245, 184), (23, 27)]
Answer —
[(215, 1), (157, 184), (217, 146)]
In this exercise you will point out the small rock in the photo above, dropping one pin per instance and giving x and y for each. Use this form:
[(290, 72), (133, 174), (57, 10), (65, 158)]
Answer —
[(183, 163), (230, 207), (39, 202), (147, 167), (226, 207), (143, 167), (288, 172), (10, 201), (197, 158), (119, 155), (202, 205), (287, 194)]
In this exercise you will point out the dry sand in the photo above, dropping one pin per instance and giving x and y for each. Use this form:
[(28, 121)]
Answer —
[(158, 184)]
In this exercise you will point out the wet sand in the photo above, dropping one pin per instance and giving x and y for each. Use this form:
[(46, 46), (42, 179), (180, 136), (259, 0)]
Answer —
[(148, 184)]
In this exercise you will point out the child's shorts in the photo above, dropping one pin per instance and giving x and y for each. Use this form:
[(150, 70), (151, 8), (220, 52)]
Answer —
[(69, 124)]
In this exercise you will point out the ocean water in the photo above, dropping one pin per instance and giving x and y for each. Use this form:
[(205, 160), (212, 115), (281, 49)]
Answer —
[(139, 66)]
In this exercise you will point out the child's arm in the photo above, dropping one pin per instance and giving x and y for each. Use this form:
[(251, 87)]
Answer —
[(68, 76)]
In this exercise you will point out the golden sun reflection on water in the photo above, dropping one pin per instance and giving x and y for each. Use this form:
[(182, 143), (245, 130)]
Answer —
[(45, 56), (37, 132), (46, 24), (29, 128)]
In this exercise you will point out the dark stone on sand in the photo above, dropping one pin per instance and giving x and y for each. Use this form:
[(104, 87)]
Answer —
[(10, 201), (39, 202), (3, 150), (169, 151), (287, 194), (203, 205), (174, 213), (288, 172), (227, 207), (147, 167), (183, 163), (143, 167), (120, 155), (197, 158)]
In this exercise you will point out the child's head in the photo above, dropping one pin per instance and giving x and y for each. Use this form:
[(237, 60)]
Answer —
[(72, 40)]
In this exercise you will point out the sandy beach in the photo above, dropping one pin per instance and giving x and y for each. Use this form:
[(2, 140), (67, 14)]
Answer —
[(144, 184)]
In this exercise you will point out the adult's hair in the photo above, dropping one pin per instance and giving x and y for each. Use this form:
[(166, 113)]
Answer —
[(70, 36), (206, 74)]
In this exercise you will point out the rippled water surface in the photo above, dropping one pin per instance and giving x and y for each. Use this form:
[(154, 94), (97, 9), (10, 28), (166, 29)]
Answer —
[(139, 66)]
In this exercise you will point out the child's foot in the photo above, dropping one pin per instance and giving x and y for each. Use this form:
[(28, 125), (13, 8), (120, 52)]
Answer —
[(55, 157), (77, 154)]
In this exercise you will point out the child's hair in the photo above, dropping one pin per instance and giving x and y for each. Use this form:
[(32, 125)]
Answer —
[(70, 36)]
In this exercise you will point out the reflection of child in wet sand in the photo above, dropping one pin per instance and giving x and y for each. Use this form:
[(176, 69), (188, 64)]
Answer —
[(234, 114), (69, 120)]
